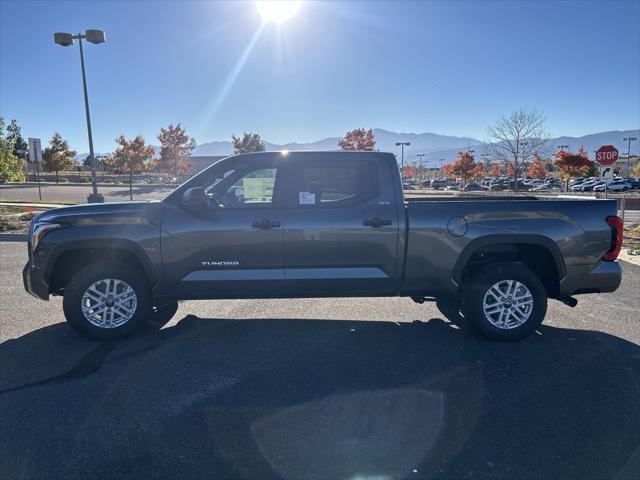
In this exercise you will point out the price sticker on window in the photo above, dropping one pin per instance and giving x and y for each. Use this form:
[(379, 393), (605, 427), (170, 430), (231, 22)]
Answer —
[(307, 198)]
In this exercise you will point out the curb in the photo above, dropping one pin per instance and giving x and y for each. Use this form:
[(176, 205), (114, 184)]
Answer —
[(633, 259), (13, 237), (34, 205)]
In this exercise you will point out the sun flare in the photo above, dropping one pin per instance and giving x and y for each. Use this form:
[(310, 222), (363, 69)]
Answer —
[(277, 11)]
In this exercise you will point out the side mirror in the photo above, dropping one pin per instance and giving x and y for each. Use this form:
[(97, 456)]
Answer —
[(195, 199)]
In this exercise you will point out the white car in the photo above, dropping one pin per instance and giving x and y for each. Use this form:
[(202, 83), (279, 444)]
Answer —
[(615, 186), (546, 186)]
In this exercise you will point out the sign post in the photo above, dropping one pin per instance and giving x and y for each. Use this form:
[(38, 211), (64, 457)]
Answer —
[(606, 156), (35, 155)]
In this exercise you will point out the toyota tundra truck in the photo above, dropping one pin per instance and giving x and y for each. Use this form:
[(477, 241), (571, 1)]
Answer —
[(321, 224)]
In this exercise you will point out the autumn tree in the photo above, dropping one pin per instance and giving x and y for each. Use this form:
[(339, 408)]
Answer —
[(410, 171), (515, 138), (537, 169), (465, 167), (249, 142), (358, 139), (495, 170), (447, 169), (10, 168), (132, 156), (57, 156), (510, 171), (175, 149), (570, 164)]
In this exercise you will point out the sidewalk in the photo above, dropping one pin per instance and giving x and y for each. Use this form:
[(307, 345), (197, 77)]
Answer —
[(35, 205)]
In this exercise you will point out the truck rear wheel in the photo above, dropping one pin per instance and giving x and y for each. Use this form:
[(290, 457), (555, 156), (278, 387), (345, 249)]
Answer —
[(107, 301), (504, 302)]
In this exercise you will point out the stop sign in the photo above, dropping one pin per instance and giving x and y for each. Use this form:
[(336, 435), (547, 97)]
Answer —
[(607, 155)]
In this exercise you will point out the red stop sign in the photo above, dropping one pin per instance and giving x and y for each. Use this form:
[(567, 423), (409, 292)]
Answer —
[(607, 155)]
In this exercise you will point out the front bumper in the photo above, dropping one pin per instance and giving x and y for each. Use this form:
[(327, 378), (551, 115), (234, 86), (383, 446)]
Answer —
[(603, 278), (34, 282)]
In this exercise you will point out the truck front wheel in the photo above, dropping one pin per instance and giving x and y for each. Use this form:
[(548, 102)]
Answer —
[(107, 300), (504, 301)]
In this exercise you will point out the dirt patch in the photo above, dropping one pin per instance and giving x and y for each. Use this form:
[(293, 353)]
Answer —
[(16, 219), (631, 239)]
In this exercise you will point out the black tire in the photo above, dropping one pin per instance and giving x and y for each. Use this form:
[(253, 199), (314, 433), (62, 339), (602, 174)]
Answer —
[(475, 289), (94, 272)]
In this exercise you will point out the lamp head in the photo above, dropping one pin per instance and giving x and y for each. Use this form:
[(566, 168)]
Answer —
[(95, 36), (64, 39)]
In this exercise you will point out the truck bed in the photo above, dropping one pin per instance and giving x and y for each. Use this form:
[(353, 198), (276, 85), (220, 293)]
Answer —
[(464, 197)]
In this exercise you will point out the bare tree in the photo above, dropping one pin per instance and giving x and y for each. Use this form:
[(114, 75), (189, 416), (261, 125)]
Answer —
[(517, 137)]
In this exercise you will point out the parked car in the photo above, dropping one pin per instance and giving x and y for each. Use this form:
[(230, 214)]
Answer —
[(320, 224), (547, 186), (439, 183), (590, 186), (472, 187), (619, 186), (584, 186), (635, 184), (575, 181)]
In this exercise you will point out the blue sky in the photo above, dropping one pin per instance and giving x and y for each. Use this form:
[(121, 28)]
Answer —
[(444, 67)]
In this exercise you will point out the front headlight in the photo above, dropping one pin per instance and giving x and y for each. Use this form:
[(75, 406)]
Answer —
[(39, 229)]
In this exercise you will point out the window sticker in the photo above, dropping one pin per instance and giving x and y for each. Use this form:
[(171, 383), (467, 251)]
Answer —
[(307, 198), (258, 189)]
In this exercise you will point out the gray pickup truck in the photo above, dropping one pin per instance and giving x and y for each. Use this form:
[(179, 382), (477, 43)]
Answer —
[(321, 224)]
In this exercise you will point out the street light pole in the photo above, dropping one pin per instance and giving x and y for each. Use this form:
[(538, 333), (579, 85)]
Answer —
[(629, 140), (66, 39), (94, 184), (401, 145), (420, 157)]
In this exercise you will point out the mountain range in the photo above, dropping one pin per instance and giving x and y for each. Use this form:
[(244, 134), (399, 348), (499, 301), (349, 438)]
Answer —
[(434, 146)]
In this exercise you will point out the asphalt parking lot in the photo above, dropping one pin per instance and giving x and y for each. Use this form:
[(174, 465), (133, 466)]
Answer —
[(319, 389)]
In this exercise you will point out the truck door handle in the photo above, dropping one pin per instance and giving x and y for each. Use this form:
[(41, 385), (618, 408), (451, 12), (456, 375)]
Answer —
[(376, 222), (266, 224)]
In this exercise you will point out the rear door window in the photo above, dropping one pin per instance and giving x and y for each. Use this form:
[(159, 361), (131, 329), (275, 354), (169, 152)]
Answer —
[(333, 184)]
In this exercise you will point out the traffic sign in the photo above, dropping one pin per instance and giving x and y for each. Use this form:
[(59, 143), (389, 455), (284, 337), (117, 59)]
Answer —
[(35, 150), (606, 173), (607, 155)]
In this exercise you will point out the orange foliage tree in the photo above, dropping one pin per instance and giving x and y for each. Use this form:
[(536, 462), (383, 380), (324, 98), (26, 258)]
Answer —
[(358, 139), (570, 163), (132, 156), (537, 169), (175, 149), (495, 170), (410, 171), (465, 167)]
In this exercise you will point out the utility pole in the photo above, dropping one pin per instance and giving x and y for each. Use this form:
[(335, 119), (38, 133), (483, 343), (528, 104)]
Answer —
[(420, 157), (629, 140), (515, 169)]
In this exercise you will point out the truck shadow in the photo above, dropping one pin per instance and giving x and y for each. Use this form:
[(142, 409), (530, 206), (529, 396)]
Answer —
[(319, 399)]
